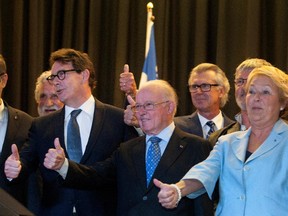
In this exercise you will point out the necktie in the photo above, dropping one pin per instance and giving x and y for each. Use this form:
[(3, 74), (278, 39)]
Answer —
[(74, 147), (212, 126), (153, 157)]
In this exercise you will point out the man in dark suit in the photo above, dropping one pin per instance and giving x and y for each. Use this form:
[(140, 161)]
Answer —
[(209, 88), (101, 129), (14, 127), (155, 108)]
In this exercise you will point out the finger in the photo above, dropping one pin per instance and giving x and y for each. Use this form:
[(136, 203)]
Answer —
[(126, 68), (57, 144), (157, 183), (15, 152), (130, 100)]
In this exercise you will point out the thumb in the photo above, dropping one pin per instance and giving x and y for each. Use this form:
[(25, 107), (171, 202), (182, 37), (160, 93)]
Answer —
[(57, 144), (126, 68), (130, 100), (15, 152), (158, 183)]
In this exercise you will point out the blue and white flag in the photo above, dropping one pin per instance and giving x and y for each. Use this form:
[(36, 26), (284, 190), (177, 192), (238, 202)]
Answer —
[(149, 71)]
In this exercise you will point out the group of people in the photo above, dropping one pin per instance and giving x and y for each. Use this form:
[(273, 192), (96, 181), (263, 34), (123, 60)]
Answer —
[(144, 160)]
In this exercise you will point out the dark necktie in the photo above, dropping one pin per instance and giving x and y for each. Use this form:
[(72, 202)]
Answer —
[(153, 157), (212, 126), (74, 147)]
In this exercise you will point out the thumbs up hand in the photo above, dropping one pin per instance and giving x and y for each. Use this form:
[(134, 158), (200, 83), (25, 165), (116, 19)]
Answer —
[(127, 82), (13, 164), (55, 157)]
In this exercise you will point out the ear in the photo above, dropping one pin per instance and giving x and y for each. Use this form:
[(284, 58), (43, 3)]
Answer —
[(171, 107), (85, 75), (221, 91), (3, 80)]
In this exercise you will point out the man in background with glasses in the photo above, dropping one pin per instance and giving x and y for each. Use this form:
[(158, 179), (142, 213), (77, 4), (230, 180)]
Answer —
[(209, 88), (241, 75), (164, 152), (14, 127), (97, 128)]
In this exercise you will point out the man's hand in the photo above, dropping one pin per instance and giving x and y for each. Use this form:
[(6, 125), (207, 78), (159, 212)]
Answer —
[(55, 157), (127, 82), (168, 195), (13, 164), (129, 115)]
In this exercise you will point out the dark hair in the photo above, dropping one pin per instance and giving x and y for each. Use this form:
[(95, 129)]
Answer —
[(79, 60)]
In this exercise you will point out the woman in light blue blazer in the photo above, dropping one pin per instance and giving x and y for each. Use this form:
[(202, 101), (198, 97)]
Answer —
[(252, 165)]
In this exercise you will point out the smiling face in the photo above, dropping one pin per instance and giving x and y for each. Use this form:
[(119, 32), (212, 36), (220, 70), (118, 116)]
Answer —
[(206, 102), (153, 121), (263, 101), (48, 99)]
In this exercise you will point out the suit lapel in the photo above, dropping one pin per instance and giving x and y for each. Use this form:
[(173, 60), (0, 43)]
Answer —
[(97, 124), (139, 163), (12, 128), (196, 127), (174, 149)]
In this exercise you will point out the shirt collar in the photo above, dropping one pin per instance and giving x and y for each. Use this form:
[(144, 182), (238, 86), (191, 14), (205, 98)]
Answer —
[(218, 120), (88, 107), (1, 109), (165, 134)]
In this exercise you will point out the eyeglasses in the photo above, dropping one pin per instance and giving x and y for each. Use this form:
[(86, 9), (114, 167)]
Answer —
[(205, 87), (146, 106), (61, 74), (240, 81)]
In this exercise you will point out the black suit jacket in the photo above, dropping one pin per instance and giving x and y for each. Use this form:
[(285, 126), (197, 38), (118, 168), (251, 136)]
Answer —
[(107, 132), (18, 126), (128, 165), (191, 123)]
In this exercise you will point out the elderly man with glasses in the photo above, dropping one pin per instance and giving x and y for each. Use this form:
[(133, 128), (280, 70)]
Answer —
[(164, 152)]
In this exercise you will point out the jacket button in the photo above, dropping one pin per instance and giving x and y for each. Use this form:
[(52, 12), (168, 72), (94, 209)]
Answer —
[(145, 198)]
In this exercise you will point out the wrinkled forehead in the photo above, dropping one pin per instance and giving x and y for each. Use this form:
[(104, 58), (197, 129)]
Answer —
[(147, 94)]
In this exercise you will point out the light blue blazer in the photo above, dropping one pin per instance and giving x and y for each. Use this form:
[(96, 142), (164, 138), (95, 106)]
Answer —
[(258, 186)]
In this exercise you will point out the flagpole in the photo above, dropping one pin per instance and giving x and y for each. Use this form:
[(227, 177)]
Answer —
[(150, 19), (149, 71)]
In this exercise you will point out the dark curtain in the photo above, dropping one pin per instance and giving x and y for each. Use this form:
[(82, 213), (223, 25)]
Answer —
[(112, 32)]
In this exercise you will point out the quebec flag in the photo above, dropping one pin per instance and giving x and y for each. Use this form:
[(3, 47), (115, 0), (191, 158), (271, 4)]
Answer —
[(149, 71)]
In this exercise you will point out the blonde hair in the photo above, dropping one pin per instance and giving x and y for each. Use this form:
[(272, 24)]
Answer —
[(278, 77), (220, 78)]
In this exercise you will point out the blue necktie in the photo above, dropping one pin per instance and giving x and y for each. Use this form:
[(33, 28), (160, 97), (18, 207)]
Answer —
[(153, 157), (212, 126), (74, 147)]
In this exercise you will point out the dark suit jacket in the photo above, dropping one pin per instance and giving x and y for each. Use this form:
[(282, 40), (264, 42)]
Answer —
[(191, 123), (128, 165), (107, 132), (235, 126), (17, 133)]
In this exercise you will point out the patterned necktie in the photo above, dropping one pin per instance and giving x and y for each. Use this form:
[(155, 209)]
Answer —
[(212, 126), (74, 147), (153, 157)]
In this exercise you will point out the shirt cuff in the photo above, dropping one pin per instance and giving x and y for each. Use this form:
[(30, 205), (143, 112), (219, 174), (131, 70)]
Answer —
[(64, 169)]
